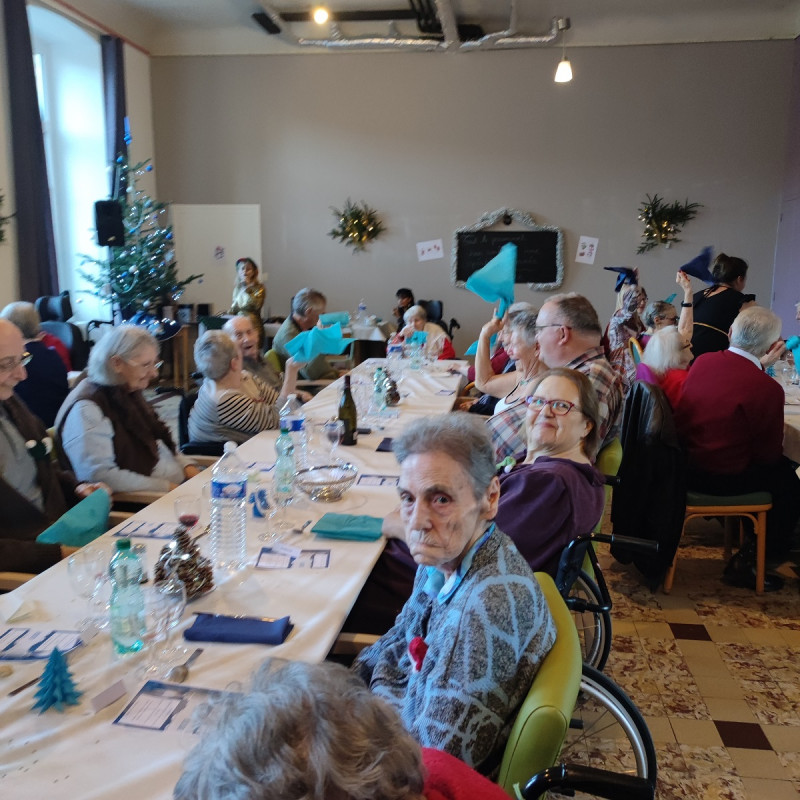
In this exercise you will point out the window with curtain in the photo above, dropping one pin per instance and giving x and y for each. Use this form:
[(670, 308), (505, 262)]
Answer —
[(69, 79)]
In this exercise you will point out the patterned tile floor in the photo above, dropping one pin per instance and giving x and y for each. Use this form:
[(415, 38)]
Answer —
[(715, 672)]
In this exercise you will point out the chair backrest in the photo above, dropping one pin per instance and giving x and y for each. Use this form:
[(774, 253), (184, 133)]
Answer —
[(73, 340), (433, 308), (274, 360), (636, 350), (54, 307), (543, 719), (185, 444)]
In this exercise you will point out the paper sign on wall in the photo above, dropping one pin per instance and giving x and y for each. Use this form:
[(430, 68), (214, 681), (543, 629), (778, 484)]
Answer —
[(430, 250), (587, 249)]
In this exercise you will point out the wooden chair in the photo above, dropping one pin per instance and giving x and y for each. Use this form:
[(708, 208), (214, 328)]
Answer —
[(13, 580), (636, 350), (753, 506)]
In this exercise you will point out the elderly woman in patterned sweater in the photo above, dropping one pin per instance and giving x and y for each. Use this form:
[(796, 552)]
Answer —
[(442, 665), (232, 404)]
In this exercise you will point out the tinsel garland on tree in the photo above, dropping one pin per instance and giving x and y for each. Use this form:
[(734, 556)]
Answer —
[(3, 221), (142, 274), (358, 225), (663, 221)]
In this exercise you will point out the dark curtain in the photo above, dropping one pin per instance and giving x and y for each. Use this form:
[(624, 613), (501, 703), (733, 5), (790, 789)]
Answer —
[(117, 137), (36, 250)]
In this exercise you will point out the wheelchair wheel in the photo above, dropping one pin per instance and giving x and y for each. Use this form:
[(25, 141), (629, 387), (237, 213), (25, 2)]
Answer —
[(592, 620), (608, 732)]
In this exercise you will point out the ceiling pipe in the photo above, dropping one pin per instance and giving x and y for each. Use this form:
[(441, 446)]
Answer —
[(500, 40)]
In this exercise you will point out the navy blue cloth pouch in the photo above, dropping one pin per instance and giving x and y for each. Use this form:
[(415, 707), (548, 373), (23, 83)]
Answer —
[(238, 630)]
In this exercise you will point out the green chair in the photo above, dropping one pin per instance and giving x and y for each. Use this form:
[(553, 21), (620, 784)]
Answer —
[(274, 360), (542, 722)]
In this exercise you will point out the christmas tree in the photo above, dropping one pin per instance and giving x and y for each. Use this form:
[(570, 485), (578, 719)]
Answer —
[(142, 274), (56, 687)]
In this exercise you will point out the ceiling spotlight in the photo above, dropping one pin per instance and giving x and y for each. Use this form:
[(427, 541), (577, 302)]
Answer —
[(321, 15), (564, 71)]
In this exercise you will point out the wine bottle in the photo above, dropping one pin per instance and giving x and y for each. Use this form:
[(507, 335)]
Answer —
[(347, 414)]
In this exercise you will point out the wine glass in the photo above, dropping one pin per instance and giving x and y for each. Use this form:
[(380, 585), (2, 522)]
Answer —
[(87, 570), (165, 602), (334, 433), (277, 521), (187, 510)]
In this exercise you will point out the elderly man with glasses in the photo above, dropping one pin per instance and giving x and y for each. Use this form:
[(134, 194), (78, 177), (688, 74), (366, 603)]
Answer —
[(34, 492)]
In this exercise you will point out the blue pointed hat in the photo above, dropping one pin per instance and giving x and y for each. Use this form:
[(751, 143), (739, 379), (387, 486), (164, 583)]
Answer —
[(625, 275)]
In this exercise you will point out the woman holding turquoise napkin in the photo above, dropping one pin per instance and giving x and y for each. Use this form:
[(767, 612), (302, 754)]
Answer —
[(440, 665)]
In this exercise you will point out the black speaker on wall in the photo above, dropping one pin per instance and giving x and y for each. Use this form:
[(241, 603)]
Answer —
[(108, 221)]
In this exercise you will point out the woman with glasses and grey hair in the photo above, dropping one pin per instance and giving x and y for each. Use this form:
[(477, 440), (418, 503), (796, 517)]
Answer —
[(233, 405), (464, 649), (108, 430), (315, 732)]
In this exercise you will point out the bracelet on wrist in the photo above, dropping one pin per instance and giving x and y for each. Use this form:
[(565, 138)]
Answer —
[(686, 305)]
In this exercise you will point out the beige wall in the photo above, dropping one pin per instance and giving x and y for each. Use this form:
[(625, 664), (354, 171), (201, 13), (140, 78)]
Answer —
[(433, 141)]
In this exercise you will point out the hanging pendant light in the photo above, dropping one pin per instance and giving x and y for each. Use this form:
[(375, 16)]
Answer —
[(564, 70)]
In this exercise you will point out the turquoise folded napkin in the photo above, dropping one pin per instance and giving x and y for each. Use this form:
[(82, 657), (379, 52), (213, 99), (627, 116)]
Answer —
[(238, 630), (358, 527), (80, 525), (418, 337), (473, 348), (332, 317), (307, 345), (495, 281)]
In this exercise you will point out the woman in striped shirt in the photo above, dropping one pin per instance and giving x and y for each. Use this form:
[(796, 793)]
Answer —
[(232, 404)]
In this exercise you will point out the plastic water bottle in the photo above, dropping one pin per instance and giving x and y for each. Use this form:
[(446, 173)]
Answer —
[(229, 511), (127, 601), (294, 416), (283, 475), (361, 314)]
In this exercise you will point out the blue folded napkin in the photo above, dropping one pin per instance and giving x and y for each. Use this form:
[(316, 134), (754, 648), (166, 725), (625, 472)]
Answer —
[(494, 282), (307, 345), (80, 525), (238, 630), (359, 527), (342, 317), (418, 337)]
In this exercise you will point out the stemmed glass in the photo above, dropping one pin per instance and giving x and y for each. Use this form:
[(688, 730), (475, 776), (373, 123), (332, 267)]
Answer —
[(187, 510), (277, 523), (87, 570), (334, 433), (165, 602)]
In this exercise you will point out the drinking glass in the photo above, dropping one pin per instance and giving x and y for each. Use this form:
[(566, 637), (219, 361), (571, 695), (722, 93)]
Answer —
[(334, 433), (277, 521), (187, 510), (165, 602), (87, 570)]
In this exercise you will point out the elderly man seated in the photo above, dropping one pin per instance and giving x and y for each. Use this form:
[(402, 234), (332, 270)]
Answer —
[(46, 387), (232, 404), (730, 416), (240, 329), (464, 650), (34, 492), (307, 305)]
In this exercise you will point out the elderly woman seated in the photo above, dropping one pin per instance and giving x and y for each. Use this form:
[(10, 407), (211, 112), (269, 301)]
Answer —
[(554, 493), (662, 314), (314, 731), (232, 404), (464, 649), (666, 362), (108, 431), (437, 342)]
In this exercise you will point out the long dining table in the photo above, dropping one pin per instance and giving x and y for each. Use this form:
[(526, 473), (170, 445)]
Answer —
[(81, 752)]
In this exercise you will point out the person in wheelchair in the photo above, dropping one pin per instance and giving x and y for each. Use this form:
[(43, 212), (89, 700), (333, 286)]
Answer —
[(551, 493), (463, 651)]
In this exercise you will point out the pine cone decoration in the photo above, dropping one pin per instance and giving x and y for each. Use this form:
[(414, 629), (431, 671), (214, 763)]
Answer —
[(182, 556)]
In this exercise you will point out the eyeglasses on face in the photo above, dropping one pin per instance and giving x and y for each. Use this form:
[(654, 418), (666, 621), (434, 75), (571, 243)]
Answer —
[(539, 328), (157, 366), (559, 407), (12, 362)]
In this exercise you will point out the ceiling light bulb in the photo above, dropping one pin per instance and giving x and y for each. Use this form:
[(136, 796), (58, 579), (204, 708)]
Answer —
[(321, 15), (564, 71)]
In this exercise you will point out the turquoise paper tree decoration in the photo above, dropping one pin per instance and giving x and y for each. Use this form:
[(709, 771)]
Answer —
[(56, 687)]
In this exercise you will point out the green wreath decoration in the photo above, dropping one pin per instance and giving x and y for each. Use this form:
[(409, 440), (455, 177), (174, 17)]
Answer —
[(358, 225), (663, 221)]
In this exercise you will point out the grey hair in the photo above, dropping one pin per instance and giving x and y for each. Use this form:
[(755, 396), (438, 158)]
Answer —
[(459, 435), (213, 353), (755, 330), (663, 350), (304, 732), (656, 309), (415, 312), (25, 317), (577, 312), (307, 299), (524, 322), (519, 308), (124, 341)]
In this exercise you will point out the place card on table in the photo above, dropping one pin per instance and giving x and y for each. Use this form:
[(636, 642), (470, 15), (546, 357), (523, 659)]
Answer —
[(377, 480), (282, 558), (165, 707), (147, 530), (25, 644)]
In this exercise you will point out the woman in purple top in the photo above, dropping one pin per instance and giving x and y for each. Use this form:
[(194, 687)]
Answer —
[(554, 493)]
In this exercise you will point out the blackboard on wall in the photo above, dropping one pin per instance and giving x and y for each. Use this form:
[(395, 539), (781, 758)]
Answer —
[(537, 253)]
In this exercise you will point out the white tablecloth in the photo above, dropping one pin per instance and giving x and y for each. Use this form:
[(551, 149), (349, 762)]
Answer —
[(80, 754)]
